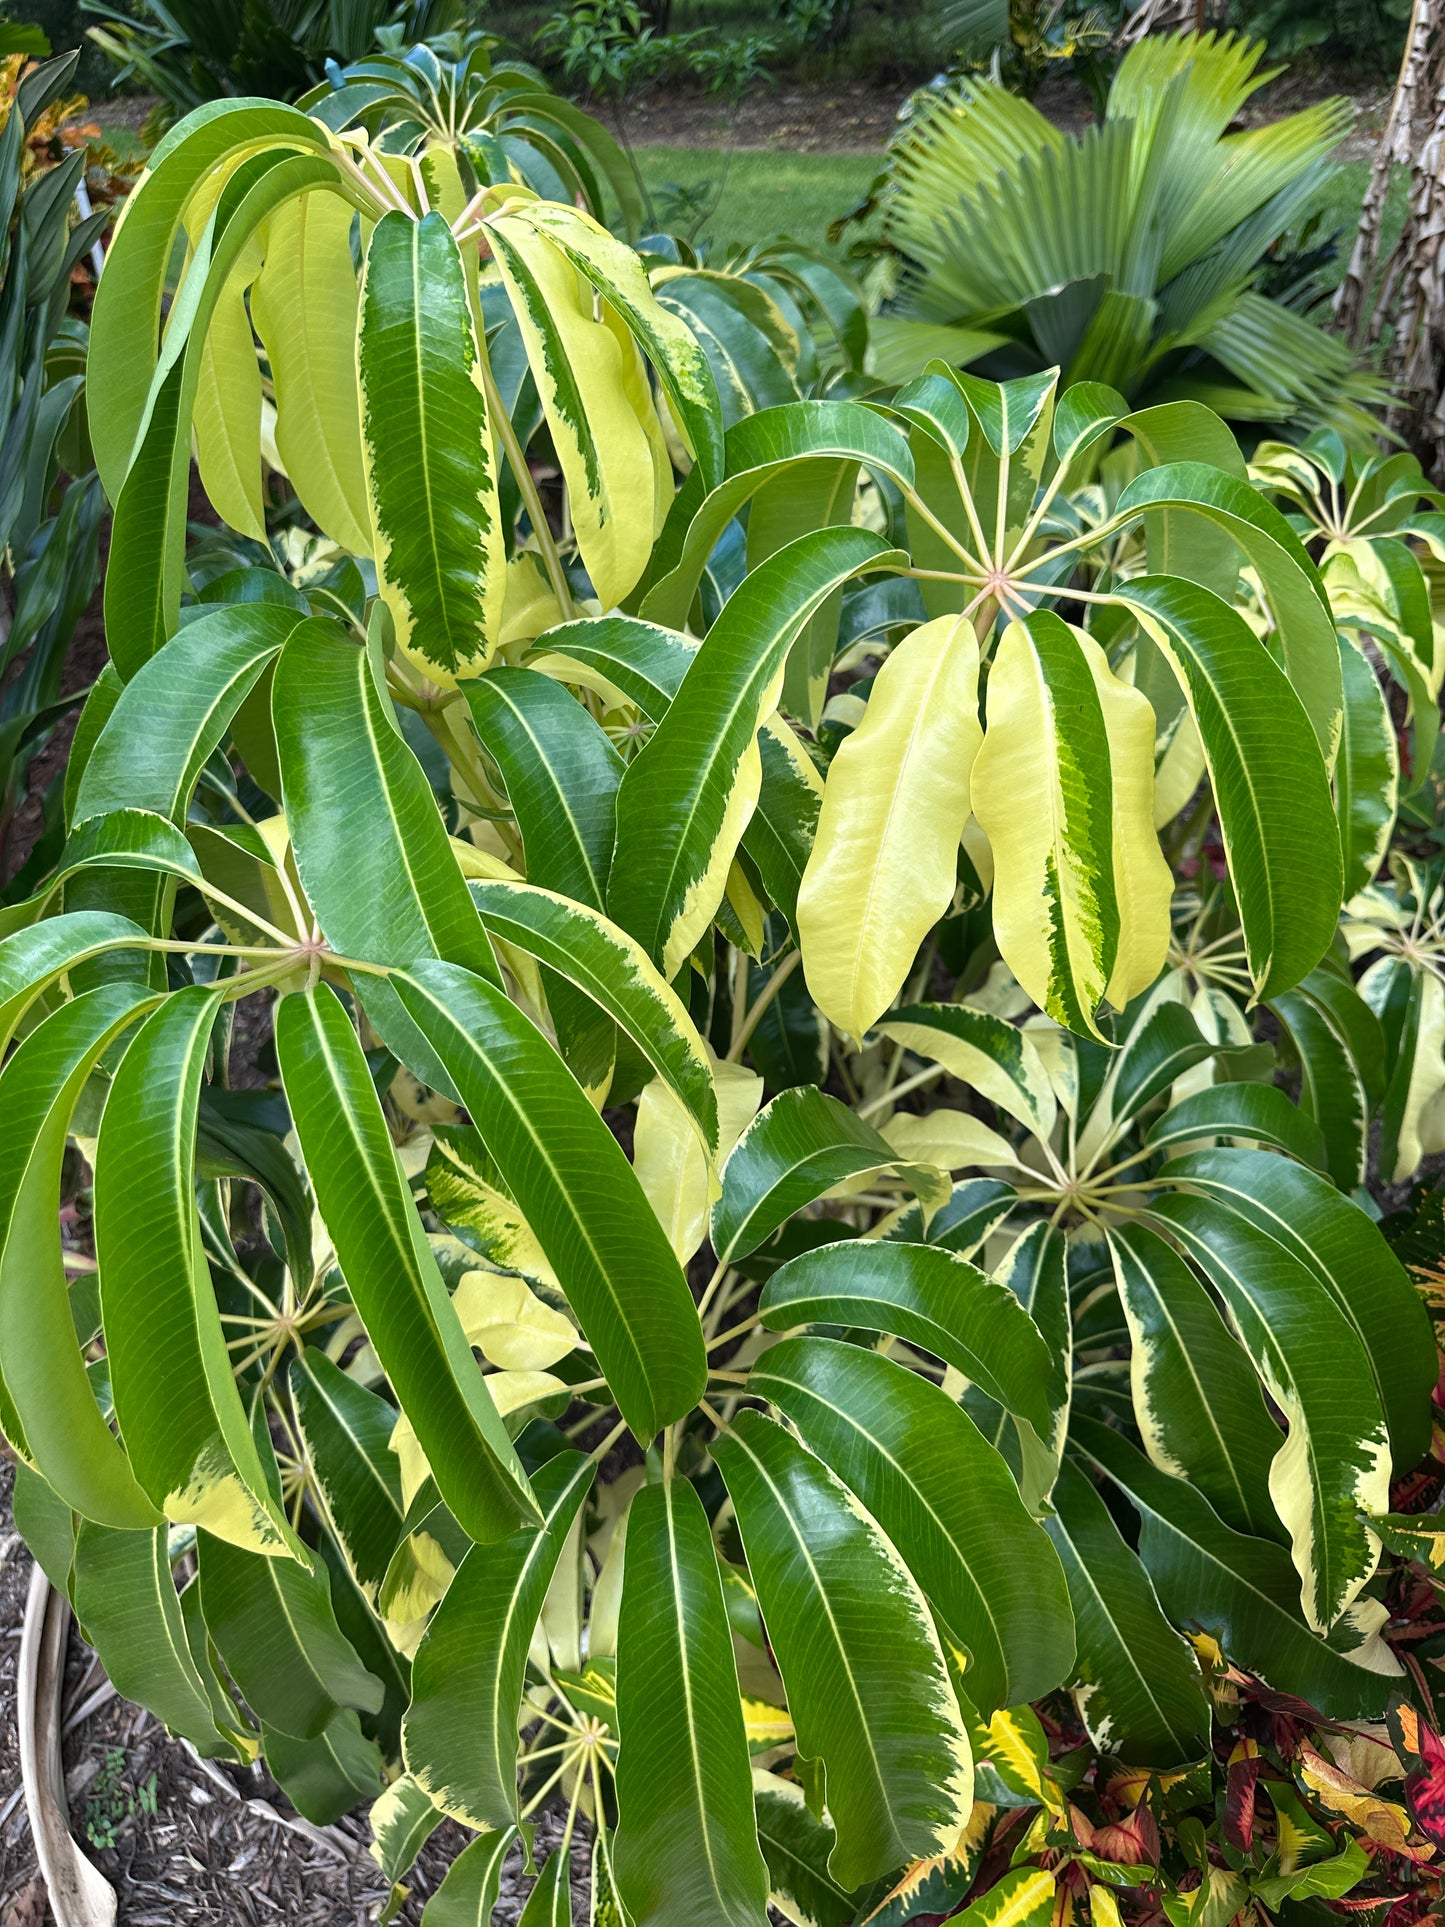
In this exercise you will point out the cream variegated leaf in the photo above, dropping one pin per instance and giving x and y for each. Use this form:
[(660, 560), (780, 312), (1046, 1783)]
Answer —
[(885, 856), (1063, 788)]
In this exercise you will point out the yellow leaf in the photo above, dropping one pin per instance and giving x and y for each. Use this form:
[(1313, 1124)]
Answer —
[(304, 306), (509, 1324), (885, 858), (952, 1140), (668, 1156)]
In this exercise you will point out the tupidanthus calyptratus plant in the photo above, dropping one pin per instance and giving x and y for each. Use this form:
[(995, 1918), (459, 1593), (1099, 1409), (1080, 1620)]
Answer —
[(470, 955)]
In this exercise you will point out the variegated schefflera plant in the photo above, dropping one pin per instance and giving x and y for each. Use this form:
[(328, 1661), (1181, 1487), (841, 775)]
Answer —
[(514, 816)]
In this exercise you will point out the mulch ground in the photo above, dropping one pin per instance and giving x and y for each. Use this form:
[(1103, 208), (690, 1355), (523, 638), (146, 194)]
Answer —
[(187, 1841), (858, 119)]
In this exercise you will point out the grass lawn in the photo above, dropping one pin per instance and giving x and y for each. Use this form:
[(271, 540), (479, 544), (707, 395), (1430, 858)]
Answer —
[(1340, 205), (766, 192)]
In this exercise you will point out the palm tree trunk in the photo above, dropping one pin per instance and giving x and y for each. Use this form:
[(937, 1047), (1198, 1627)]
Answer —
[(1352, 299)]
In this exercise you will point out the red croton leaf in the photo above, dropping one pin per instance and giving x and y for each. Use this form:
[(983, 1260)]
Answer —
[(1240, 1785), (1422, 1747)]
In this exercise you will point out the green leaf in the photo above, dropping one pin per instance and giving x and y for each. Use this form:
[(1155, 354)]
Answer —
[(686, 1848), (1136, 1682), (930, 1297), (1238, 1589), (273, 1624), (945, 1499), (1341, 1049), (574, 1186), (1244, 1113), (797, 1147), (356, 1477), (47, 1403), (796, 1847), (459, 1737), (550, 1902), (125, 1599), (561, 774), (1269, 778), (1293, 592), (431, 467), (1197, 1400), (174, 712), (389, 1268), (1334, 1464), (468, 1894), (371, 849), (1367, 770), (866, 1683), (1334, 1239), (685, 800), (33, 958), (770, 446), (609, 967), (326, 1777), (176, 1402)]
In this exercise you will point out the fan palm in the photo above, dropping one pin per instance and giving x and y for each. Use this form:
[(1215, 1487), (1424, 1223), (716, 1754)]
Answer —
[(1131, 254)]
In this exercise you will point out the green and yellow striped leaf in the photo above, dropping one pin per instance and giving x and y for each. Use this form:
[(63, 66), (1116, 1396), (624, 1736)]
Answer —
[(428, 443), (685, 800), (1063, 790)]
